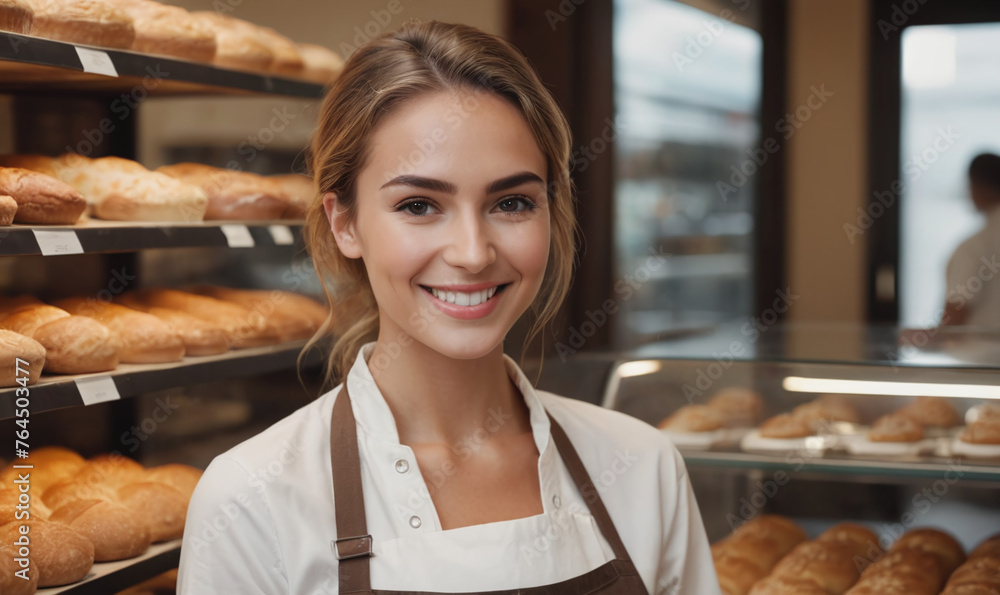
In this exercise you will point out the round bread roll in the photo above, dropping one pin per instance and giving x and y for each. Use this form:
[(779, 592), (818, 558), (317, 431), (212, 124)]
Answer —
[(931, 412), (15, 345), (828, 564), (693, 418), (785, 425), (182, 478), (12, 506), (113, 469), (740, 407), (68, 491), (987, 411), (737, 575), (11, 584), (990, 547), (782, 585), (61, 555), (163, 507), (981, 432), (52, 464), (8, 207), (895, 427), (944, 546), (116, 531)]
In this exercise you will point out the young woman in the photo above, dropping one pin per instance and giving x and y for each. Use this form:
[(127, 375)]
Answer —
[(434, 466)]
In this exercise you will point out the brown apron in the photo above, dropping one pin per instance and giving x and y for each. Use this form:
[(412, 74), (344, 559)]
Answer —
[(354, 545)]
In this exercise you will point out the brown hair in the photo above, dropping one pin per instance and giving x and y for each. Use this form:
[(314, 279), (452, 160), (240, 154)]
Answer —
[(377, 79)]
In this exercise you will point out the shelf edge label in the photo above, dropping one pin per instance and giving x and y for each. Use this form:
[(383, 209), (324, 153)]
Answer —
[(96, 61), (54, 243), (97, 389), (238, 236), (282, 235)]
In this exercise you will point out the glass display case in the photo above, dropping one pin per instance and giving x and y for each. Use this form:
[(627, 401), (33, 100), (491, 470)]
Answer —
[(782, 419)]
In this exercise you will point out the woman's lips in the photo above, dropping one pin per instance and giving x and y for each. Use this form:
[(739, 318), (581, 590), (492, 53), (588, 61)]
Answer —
[(467, 312)]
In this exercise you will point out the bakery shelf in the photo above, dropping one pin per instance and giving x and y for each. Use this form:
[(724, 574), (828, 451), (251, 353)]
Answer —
[(30, 64), (111, 577), (130, 380), (96, 236), (928, 467)]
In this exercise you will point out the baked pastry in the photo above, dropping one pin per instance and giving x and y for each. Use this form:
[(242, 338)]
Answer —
[(41, 198), (39, 163), (232, 195), (287, 60), (895, 427), (116, 532), (282, 317), (16, 17), (782, 585), (827, 409), (123, 190), (931, 412), (73, 344), (990, 547), (8, 209), (322, 65), (300, 191), (981, 432), (827, 564), (752, 550), (199, 337), (52, 464), (163, 507), (693, 418), (168, 30), (15, 345), (987, 412), (737, 575), (785, 425), (90, 22), (182, 478), (10, 584), (982, 569), (922, 567), (740, 407), (61, 555), (238, 44), (145, 339), (860, 540)]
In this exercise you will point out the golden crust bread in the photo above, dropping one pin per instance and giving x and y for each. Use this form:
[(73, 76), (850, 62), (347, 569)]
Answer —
[(144, 338), (166, 30), (16, 16), (90, 22), (41, 198)]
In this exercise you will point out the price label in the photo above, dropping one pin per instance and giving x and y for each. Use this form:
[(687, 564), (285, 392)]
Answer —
[(238, 236), (97, 389), (54, 243), (96, 61), (282, 235)]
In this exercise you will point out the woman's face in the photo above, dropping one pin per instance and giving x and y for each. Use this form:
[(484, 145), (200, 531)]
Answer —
[(452, 221)]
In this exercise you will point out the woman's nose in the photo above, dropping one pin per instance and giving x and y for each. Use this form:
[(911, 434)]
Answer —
[(469, 244)]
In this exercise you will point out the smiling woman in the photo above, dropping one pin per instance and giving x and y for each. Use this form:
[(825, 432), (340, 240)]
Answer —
[(444, 213)]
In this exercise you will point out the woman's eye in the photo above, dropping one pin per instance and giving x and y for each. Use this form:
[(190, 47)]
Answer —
[(516, 204), (416, 207)]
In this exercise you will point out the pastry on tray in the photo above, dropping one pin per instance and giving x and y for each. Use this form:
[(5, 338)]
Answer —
[(693, 418), (740, 407), (931, 412), (896, 427)]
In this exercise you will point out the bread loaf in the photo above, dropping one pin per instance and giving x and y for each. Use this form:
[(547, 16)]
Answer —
[(90, 22), (61, 555), (322, 65), (51, 464), (232, 195), (989, 548), (740, 407), (16, 17), (144, 338), (238, 45), (287, 60), (751, 552), (41, 198), (163, 507), (37, 163), (200, 337), (281, 316), (10, 583), (117, 532), (182, 478), (123, 190), (73, 344), (168, 31), (300, 191), (693, 418), (917, 564), (14, 346), (112, 469), (8, 209), (243, 327), (67, 491)]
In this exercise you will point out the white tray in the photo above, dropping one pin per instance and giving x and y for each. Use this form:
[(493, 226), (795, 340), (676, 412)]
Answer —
[(816, 445)]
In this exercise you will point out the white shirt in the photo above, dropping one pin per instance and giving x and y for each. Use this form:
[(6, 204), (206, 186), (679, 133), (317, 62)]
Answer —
[(971, 272), (261, 520)]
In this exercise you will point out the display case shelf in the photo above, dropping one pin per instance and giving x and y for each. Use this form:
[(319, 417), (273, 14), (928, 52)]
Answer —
[(33, 64), (928, 468), (97, 237), (130, 380), (111, 577)]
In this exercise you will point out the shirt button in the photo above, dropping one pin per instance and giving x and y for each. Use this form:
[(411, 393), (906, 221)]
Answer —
[(402, 466), (556, 501), (415, 522)]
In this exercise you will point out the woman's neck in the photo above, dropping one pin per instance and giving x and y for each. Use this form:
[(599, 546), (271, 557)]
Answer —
[(436, 399)]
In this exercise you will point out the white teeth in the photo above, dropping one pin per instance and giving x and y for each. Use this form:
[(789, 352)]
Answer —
[(464, 299)]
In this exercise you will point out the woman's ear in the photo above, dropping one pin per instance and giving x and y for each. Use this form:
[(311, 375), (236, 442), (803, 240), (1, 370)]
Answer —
[(343, 229)]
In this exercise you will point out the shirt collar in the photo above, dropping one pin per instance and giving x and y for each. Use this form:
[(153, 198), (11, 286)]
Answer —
[(375, 418)]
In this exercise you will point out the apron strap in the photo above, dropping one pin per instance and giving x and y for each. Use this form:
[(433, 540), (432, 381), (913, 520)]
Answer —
[(353, 545), (587, 489)]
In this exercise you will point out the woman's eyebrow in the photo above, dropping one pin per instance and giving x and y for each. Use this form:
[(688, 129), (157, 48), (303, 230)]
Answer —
[(449, 188)]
